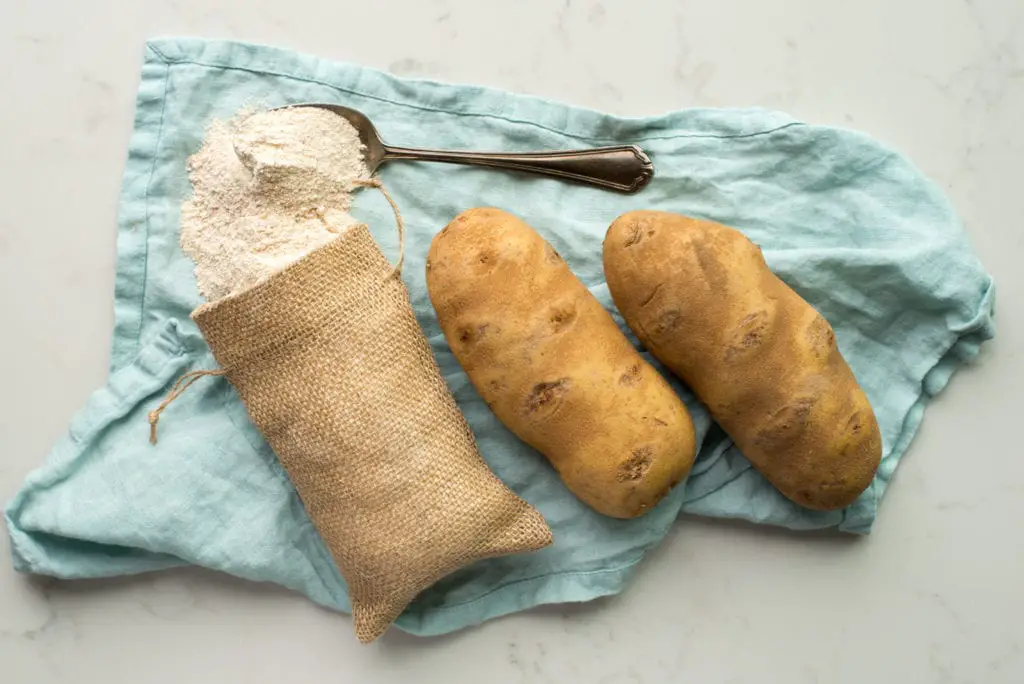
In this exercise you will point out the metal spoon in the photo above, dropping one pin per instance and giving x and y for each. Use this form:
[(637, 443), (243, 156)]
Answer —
[(624, 168)]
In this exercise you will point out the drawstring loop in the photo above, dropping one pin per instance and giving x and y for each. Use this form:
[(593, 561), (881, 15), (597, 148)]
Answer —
[(399, 223), (183, 383)]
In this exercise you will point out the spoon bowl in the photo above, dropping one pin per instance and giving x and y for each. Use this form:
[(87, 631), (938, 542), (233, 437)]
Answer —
[(376, 150)]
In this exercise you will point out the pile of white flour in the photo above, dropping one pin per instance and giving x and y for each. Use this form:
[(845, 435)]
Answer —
[(268, 188)]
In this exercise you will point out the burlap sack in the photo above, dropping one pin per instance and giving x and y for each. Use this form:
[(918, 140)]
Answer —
[(335, 371)]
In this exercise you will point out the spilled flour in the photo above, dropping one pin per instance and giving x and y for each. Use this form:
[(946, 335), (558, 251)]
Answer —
[(268, 188)]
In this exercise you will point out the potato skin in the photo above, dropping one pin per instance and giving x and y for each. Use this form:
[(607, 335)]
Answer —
[(553, 365), (702, 300)]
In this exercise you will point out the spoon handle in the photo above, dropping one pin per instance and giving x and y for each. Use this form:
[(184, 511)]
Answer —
[(624, 168)]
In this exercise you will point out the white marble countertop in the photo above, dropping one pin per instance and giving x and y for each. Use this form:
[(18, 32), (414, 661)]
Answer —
[(934, 595)]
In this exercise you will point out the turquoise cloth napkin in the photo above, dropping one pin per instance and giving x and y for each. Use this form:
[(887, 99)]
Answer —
[(850, 224)]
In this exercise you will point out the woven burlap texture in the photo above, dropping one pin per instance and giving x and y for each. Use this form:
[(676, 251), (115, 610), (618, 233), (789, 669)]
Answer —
[(336, 373)]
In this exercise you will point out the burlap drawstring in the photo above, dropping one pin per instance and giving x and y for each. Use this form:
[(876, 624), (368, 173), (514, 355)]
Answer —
[(399, 223), (183, 383), (186, 380)]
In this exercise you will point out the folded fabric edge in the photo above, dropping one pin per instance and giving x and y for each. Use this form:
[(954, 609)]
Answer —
[(130, 278), (26, 561), (964, 348), (564, 587)]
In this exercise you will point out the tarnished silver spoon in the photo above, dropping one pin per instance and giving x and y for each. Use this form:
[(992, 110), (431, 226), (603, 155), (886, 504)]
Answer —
[(624, 168)]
